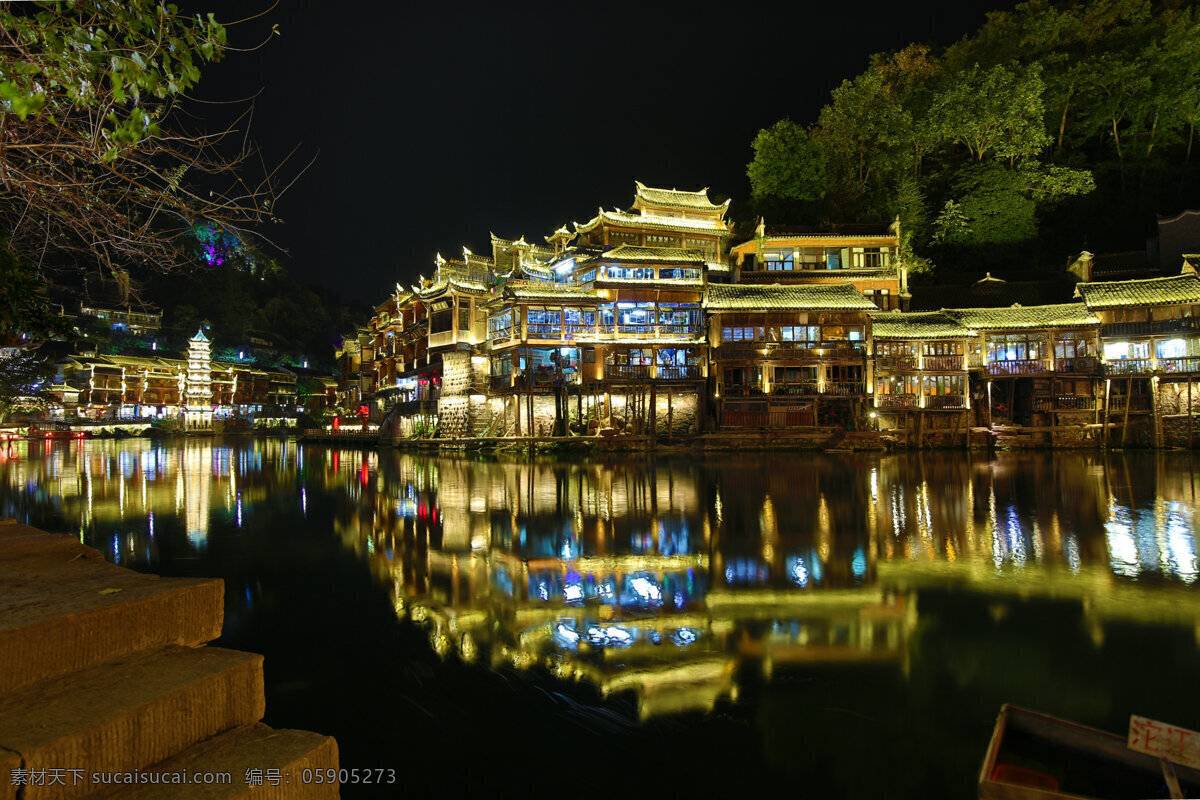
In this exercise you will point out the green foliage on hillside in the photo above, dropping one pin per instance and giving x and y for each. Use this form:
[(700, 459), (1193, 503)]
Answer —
[(1051, 127)]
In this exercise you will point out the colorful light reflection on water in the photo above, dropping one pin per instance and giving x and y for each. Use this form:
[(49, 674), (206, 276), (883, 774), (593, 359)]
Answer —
[(957, 582)]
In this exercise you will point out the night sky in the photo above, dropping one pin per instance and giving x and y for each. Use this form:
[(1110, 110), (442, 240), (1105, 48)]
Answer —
[(434, 124)]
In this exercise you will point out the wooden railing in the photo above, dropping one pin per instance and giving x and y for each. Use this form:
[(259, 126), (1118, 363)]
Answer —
[(688, 372), (945, 401), (1064, 402), (1017, 367), (1128, 366), (1185, 364), (800, 388), (627, 371), (897, 362), (843, 388), (895, 401), (943, 363)]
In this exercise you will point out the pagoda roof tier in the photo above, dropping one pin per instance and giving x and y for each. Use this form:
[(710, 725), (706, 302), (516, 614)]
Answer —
[(538, 272), (458, 285), (1061, 315), (549, 292), (774, 297), (653, 255), (674, 198), (625, 219), (920, 325), (1183, 288)]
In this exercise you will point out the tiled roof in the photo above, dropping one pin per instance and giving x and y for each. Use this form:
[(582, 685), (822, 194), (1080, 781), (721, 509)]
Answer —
[(674, 198), (534, 291), (714, 226), (1148, 292), (653, 255), (743, 297), (716, 266), (931, 325), (1062, 315)]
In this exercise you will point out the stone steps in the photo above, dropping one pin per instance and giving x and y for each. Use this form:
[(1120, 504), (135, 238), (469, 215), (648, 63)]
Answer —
[(103, 677), (129, 713), (64, 608), (290, 764)]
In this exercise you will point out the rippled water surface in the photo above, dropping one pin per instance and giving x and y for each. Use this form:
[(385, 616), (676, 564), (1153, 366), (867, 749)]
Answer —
[(831, 625)]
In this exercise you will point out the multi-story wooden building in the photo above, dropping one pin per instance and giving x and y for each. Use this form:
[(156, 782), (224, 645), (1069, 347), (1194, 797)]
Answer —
[(1035, 366), (867, 256), (921, 379), (1150, 340), (789, 355)]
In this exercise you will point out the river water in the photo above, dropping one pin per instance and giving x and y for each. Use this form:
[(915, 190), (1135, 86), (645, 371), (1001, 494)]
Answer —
[(837, 626)]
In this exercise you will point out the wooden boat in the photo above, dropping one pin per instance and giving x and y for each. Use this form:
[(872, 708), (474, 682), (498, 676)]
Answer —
[(1036, 756)]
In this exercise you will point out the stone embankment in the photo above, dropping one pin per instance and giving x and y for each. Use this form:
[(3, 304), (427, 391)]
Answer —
[(108, 690)]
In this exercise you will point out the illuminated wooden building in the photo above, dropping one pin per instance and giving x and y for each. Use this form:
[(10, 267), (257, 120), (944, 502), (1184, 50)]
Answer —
[(866, 256), (1150, 339), (787, 356), (136, 388), (921, 381), (1035, 366)]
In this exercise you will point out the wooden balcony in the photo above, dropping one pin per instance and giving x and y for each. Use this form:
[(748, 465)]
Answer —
[(1018, 367), (945, 401), (897, 363), (943, 364), (895, 401), (796, 388), (689, 372), (843, 388), (1177, 365), (1129, 366), (1064, 402), (627, 372)]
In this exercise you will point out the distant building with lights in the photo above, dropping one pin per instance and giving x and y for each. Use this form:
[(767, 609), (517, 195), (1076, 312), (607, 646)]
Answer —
[(196, 389)]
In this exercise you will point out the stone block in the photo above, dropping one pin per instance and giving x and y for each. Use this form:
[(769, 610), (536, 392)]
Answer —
[(287, 761), (128, 713), (65, 608)]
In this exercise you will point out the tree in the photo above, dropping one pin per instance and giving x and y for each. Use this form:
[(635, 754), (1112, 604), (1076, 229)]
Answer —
[(24, 374), (94, 163), (865, 134), (996, 111), (787, 164)]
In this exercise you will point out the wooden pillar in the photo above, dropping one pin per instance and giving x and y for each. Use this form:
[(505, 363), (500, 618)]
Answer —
[(989, 405), (652, 427), (1107, 397), (1154, 417), (1189, 414), (670, 419), (1128, 403)]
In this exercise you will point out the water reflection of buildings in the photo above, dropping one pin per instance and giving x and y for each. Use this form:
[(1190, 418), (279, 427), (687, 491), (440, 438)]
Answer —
[(675, 579), (118, 494), (625, 577)]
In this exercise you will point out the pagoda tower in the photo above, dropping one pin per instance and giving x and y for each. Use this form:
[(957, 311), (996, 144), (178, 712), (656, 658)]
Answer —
[(198, 388)]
